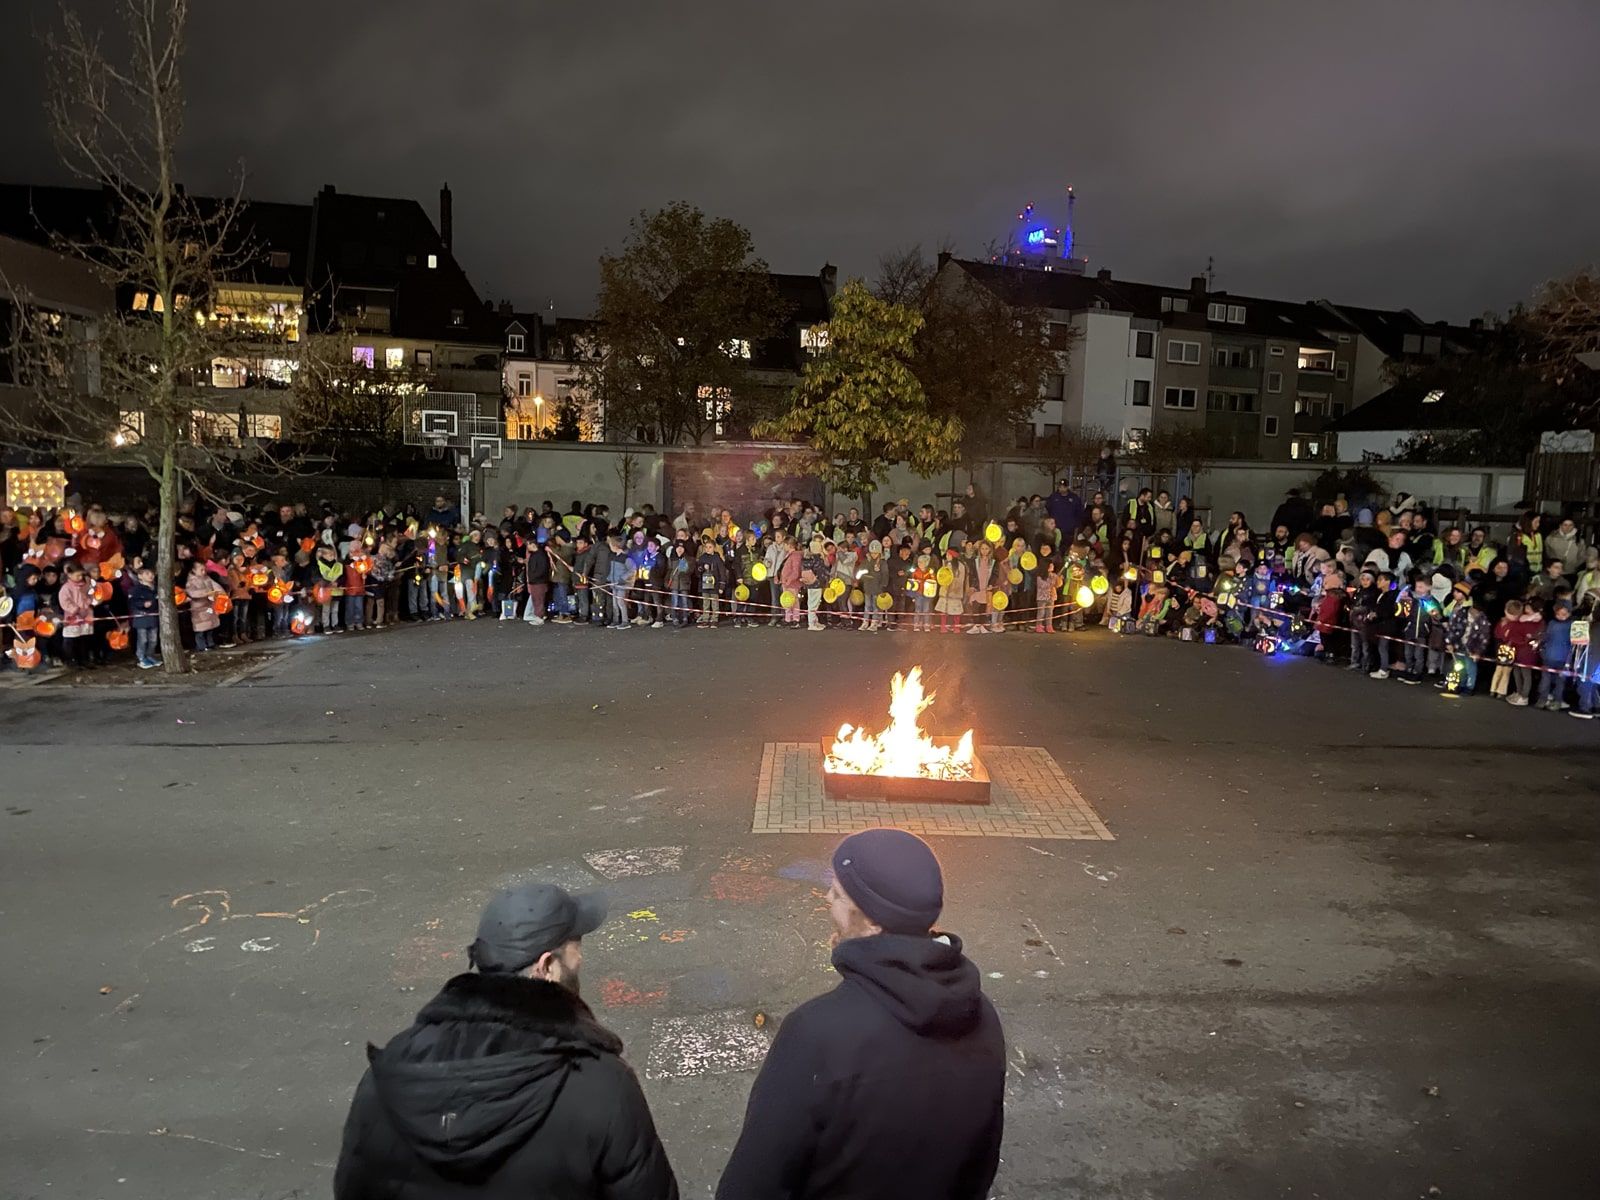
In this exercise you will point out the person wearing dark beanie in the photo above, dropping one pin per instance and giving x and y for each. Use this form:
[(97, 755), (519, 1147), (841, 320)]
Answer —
[(893, 1083)]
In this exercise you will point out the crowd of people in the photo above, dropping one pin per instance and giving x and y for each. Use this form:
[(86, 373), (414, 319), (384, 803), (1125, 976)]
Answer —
[(1381, 588)]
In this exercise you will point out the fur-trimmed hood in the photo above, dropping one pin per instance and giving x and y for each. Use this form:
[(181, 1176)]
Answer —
[(478, 1073)]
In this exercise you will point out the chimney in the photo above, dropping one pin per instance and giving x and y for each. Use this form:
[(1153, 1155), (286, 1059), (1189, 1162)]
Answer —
[(446, 217), (1476, 324), (944, 257), (504, 308), (1197, 286), (830, 279), (1103, 275)]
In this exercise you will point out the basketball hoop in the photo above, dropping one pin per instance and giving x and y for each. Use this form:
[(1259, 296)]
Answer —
[(434, 445)]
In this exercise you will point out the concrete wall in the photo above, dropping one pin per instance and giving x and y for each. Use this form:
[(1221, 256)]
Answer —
[(561, 472), (1256, 489)]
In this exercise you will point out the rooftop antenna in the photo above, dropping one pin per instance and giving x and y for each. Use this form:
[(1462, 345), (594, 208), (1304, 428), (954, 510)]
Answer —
[(1211, 274), (1066, 234)]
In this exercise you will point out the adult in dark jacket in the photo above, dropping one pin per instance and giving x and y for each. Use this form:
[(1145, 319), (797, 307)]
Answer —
[(1295, 512), (1064, 505), (506, 1085), (892, 1084)]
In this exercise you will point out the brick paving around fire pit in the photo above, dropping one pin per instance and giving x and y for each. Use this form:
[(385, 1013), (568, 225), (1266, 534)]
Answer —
[(1031, 798)]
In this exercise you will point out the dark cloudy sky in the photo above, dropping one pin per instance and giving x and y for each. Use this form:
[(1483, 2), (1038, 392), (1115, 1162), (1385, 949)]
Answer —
[(1437, 154)]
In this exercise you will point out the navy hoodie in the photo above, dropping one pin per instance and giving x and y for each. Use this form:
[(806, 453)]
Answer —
[(892, 1084)]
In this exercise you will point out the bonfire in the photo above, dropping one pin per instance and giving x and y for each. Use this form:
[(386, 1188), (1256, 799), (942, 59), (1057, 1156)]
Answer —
[(902, 750)]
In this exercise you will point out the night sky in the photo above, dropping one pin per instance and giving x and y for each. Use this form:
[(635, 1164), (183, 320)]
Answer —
[(1440, 156)]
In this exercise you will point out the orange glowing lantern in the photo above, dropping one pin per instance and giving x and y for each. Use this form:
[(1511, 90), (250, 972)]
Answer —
[(76, 524), (179, 596), (322, 593), (276, 593), (26, 620), (308, 544), (102, 592), (299, 624), (363, 565), (25, 653), (260, 578), (117, 639), (108, 569), (222, 605), (45, 627)]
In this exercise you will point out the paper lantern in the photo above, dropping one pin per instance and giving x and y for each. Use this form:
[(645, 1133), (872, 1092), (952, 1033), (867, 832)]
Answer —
[(26, 620), (1015, 576), (1131, 574), (788, 599), (322, 593), (1029, 560), (945, 576), (1156, 577), (179, 596), (102, 592), (108, 569), (5, 606), (1155, 551), (1085, 597), (276, 593), (758, 571), (884, 601), (930, 588), (992, 532), (299, 623), (1099, 585), (741, 593), (834, 590), (363, 565), (260, 578), (76, 524), (222, 605), (117, 639), (45, 627), (25, 653), (999, 601), (857, 597), (308, 544)]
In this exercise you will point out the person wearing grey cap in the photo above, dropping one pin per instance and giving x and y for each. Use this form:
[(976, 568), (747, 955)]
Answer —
[(892, 1084), (505, 1085)]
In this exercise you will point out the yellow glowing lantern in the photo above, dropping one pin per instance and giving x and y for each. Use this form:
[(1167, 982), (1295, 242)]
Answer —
[(1099, 585), (930, 589), (1156, 577), (1029, 560), (1131, 574), (1015, 576), (945, 577), (992, 532), (758, 572), (999, 601), (741, 593), (788, 599), (833, 591), (857, 597), (1085, 597), (884, 602)]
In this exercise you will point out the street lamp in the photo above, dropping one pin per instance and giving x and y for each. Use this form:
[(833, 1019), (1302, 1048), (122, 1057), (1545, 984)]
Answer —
[(538, 410)]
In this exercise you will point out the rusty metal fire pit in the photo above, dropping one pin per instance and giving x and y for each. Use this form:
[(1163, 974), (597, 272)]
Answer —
[(904, 789)]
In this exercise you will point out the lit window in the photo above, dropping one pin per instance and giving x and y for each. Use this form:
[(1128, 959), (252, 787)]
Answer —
[(718, 403), (362, 356), (514, 343), (524, 431), (433, 262), (814, 339), (130, 427), (1312, 359), (423, 359), (267, 426), (228, 373), (141, 301), (1434, 396), (158, 302), (736, 348), (394, 357), (457, 317)]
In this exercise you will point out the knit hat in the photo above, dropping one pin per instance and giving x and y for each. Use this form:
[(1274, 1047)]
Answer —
[(876, 547), (893, 877)]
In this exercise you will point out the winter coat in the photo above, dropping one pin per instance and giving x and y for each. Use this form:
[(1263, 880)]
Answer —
[(355, 583), (1555, 643), (537, 566), (1328, 611), (1522, 636), (583, 566), (1468, 630), (201, 615), (502, 1087), (789, 570), (892, 1084), (143, 606), (953, 595), (876, 577), (1569, 548), (76, 601), (710, 574), (987, 579)]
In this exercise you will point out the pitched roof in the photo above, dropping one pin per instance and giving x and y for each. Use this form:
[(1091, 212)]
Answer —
[(1406, 405)]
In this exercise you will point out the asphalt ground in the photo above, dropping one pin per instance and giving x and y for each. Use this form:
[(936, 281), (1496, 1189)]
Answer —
[(1344, 944)]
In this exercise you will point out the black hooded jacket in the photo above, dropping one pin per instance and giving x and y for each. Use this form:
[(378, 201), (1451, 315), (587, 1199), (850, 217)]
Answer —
[(502, 1087), (890, 1085)]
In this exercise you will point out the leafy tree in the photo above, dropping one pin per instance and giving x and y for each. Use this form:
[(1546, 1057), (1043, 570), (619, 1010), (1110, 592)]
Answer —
[(982, 354), (860, 407), (1564, 328), (568, 423), (681, 310)]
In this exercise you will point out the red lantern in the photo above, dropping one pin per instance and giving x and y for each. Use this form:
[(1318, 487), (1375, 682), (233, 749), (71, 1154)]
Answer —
[(322, 593), (308, 544), (222, 605), (363, 565), (45, 627), (117, 639), (102, 592)]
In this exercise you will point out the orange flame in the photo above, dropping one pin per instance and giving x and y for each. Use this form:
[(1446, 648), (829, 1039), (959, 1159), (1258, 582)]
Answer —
[(902, 750)]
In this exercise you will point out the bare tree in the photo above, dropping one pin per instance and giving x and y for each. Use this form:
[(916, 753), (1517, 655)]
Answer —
[(351, 406), (1565, 324), (1076, 449), (126, 391)]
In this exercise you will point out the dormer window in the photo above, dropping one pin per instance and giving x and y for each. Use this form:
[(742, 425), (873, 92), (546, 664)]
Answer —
[(514, 343)]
